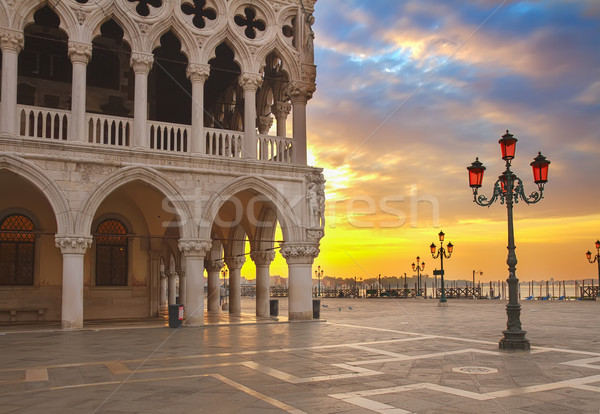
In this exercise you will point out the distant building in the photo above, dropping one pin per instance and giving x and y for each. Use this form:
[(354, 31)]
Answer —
[(137, 151)]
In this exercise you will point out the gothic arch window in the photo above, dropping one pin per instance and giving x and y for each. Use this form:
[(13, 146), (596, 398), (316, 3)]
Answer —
[(17, 248), (111, 253)]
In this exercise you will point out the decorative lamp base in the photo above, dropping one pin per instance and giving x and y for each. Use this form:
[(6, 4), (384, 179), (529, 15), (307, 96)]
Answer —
[(514, 341)]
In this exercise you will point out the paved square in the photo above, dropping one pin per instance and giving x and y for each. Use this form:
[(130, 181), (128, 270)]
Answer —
[(371, 355)]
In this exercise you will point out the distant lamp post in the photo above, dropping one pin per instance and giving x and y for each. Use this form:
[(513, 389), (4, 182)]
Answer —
[(596, 259), (509, 189), (419, 269), (441, 253), (479, 272), (318, 274), (224, 274)]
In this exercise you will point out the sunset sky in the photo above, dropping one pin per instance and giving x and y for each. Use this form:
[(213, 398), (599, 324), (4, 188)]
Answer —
[(410, 92)]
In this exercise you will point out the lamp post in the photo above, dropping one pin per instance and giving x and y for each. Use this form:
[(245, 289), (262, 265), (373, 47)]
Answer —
[(419, 269), (441, 253), (596, 259), (224, 274), (509, 189), (480, 272)]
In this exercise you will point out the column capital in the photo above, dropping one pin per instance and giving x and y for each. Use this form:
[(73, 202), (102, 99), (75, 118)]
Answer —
[(141, 62), (213, 265), (197, 72), (234, 263), (281, 109), (250, 81), (300, 253), (262, 258), (73, 243), (11, 40), (264, 123), (80, 52), (300, 92), (194, 247)]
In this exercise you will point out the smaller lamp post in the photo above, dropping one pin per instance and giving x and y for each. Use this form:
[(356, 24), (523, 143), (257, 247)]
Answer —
[(224, 274), (596, 259), (479, 272), (441, 253), (419, 269)]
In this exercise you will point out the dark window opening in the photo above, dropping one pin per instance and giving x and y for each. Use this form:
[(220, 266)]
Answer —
[(17, 246), (111, 253)]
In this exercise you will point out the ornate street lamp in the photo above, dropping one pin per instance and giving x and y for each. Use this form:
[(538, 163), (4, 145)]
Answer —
[(596, 259), (441, 253), (419, 269), (509, 189)]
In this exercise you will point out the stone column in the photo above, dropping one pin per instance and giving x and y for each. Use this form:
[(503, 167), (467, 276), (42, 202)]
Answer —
[(155, 283), (250, 82), (262, 260), (198, 73), (194, 251), (164, 282), (299, 93), (182, 282), (80, 54), (235, 283), (73, 250), (141, 64), (213, 268), (300, 257), (11, 43), (172, 287), (281, 110)]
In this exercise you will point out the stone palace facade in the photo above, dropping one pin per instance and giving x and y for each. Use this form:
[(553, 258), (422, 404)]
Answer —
[(144, 141)]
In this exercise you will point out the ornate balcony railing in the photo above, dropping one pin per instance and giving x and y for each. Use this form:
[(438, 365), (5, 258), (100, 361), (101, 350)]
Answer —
[(224, 143), (49, 123), (43, 122), (276, 149), (109, 130), (169, 137)]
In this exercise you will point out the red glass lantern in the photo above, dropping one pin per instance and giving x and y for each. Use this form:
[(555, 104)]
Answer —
[(450, 247), (476, 173), (597, 244), (588, 255), (540, 169), (413, 266), (441, 236), (432, 247), (508, 144), (423, 265)]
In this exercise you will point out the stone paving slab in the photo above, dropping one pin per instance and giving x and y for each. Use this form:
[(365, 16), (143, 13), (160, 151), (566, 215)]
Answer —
[(366, 355)]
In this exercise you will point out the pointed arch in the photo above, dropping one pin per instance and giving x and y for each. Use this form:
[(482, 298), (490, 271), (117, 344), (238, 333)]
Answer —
[(285, 215), (126, 175), (130, 30), (282, 51), (188, 43), (25, 10), (241, 54), (39, 178)]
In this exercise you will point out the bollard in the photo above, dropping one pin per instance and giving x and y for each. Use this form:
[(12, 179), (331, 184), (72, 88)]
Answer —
[(274, 307), (316, 308), (175, 316)]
